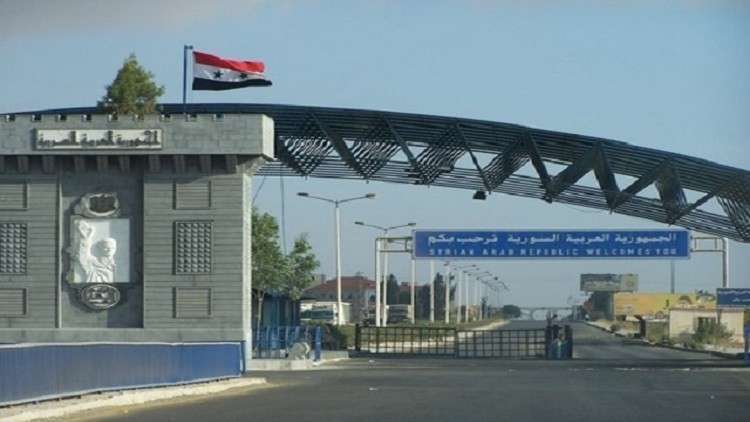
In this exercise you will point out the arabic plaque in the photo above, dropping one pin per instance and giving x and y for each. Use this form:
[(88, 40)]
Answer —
[(98, 139)]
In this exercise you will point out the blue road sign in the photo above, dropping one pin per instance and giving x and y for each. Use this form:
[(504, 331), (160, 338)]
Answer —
[(551, 244), (733, 298)]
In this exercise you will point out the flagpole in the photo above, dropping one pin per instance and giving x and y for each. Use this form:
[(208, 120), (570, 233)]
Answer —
[(184, 77)]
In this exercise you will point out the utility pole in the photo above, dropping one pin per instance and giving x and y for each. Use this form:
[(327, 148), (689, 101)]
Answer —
[(385, 279), (725, 256), (432, 292), (377, 283), (466, 293), (339, 306), (482, 301), (671, 276), (413, 282), (717, 245), (447, 292), (459, 285)]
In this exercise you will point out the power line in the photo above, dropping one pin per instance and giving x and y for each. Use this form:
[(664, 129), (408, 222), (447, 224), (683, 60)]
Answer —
[(283, 211), (257, 192)]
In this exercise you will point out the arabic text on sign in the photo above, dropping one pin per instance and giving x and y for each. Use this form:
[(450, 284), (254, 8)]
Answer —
[(98, 139)]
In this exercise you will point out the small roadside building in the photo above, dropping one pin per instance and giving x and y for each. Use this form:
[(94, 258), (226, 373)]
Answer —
[(686, 321)]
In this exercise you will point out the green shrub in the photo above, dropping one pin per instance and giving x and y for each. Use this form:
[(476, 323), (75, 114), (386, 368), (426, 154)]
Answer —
[(657, 332), (615, 328), (711, 332)]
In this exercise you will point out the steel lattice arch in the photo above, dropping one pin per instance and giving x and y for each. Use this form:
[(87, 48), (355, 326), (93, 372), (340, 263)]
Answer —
[(430, 150)]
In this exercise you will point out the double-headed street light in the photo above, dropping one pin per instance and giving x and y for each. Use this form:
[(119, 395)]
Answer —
[(337, 228), (478, 276), (385, 230), (497, 286), (463, 271)]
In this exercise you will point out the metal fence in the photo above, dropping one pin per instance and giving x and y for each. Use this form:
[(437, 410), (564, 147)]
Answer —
[(406, 340), (550, 342), (274, 342), (32, 372), (502, 344)]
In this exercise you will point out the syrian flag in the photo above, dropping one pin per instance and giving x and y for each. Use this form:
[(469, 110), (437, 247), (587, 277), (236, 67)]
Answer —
[(213, 73)]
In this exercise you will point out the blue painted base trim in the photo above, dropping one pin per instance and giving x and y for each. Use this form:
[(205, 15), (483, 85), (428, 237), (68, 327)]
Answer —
[(45, 371)]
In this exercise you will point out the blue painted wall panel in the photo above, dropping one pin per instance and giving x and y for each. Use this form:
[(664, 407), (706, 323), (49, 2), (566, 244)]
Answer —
[(30, 372)]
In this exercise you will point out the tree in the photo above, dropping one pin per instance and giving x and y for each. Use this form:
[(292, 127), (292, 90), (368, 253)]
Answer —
[(392, 298), (133, 91), (300, 265), (511, 311), (404, 297), (440, 295), (272, 271), (268, 262), (422, 302)]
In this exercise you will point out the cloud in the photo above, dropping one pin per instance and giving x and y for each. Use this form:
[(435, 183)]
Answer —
[(24, 18)]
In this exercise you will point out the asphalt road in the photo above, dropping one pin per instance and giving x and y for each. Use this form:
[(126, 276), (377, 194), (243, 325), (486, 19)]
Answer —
[(594, 344), (609, 381)]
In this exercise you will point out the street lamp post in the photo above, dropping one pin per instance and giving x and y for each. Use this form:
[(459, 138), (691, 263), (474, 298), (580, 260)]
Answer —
[(337, 220), (385, 231)]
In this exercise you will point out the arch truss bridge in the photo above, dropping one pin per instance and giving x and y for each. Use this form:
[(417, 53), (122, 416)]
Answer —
[(493, 157)]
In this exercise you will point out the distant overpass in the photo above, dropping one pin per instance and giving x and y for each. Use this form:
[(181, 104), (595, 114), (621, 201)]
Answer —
[(533, 312)]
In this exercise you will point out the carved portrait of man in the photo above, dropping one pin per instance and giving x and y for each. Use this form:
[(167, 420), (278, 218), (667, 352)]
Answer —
[(97, 260)]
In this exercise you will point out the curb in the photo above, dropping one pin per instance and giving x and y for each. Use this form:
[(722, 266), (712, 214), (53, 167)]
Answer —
[(605, 330), (67, 407), (724, 355), (258, 364)]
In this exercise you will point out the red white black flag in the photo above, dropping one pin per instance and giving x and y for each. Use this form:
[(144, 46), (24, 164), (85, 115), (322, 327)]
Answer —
[(213, 73)]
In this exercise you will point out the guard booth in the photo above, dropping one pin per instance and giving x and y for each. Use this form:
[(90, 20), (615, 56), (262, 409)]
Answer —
[(129, 231)]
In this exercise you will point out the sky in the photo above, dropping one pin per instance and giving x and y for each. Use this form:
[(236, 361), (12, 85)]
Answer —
[(670, 75)]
